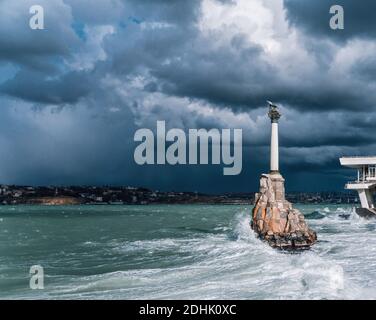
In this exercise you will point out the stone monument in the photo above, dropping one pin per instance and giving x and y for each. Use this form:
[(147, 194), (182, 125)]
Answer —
[(273, 218)]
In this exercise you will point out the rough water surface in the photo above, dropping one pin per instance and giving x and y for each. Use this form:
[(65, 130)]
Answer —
[(181, 252)]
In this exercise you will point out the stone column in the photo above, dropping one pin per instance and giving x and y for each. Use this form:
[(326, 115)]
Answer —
[(274, 116)]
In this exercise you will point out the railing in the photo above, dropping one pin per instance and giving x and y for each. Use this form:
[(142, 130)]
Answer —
[(366, 156), (361, 181)]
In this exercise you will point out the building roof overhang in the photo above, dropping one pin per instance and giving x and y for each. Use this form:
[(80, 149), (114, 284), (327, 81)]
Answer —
[(357, 162)]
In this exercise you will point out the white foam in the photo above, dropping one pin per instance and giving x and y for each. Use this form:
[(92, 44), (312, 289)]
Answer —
[(233, 264)]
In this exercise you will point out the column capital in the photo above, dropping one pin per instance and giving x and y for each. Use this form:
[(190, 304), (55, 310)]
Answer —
[(273, 113)]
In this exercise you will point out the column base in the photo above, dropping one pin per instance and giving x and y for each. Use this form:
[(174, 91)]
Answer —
[(366, 213)]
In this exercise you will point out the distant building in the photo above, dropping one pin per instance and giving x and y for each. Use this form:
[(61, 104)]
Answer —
[(365, 183)]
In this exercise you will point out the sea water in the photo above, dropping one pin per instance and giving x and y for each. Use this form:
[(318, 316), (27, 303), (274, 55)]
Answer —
[(180, 252)]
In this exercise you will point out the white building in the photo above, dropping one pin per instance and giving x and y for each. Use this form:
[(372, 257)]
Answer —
[(365, 183)]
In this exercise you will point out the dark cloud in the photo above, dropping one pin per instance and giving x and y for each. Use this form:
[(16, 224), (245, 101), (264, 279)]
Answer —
[(313, 17), (365, 70), (118, 65), (186, 63), (35, 87), (37, 49), (177, 12)]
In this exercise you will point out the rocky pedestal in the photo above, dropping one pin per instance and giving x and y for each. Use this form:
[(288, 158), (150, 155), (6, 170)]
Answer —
[(276, 221)]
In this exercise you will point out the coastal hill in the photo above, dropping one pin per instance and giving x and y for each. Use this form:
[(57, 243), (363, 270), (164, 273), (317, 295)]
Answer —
[(52, 195)]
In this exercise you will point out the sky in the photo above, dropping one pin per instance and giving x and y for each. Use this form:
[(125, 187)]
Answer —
[(73, 95)]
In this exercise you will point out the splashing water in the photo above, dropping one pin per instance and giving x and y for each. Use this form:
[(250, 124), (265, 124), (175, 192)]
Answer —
[(181, 252)]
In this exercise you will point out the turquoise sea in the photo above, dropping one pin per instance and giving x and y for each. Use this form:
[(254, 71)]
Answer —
[(180, 252)]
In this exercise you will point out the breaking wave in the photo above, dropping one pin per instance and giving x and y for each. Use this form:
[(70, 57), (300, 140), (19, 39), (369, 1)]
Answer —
[(227, 261)]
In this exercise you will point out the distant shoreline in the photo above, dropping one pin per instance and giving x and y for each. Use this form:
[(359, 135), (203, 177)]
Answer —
[(92, 195)]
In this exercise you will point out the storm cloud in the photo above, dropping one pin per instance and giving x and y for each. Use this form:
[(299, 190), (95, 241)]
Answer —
[(312, 17), (73, 95)]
